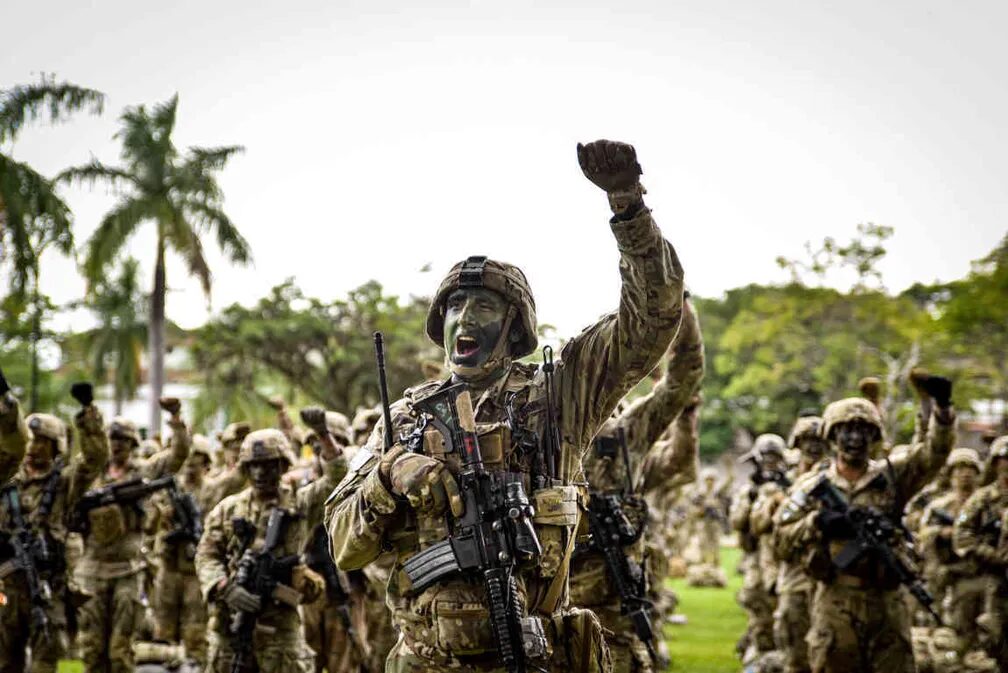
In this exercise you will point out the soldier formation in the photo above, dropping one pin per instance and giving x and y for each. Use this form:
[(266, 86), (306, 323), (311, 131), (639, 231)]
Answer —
[(511, 517)]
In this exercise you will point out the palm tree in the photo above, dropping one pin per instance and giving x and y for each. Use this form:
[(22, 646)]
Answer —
[(179, 195), (32, 216), (119, 339)]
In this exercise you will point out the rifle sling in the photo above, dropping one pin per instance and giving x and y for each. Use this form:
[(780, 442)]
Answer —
[(551, 600)]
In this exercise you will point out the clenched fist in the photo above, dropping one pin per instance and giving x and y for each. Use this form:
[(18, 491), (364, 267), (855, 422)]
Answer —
[(424, 483), (609, 164)]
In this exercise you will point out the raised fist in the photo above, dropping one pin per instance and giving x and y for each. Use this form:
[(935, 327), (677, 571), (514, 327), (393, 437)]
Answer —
[(609, 164), (939, 389), (276, 402), (171, 404), (314, 418), (83, 392)]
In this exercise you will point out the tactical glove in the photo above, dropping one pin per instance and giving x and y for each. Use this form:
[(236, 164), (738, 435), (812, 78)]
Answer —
[(424, 483), (939, 389), (834, 525), (314, 418), (171, 404), (241, 599), (610, 165)]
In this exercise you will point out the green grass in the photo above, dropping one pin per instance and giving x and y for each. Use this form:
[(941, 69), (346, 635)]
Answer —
[(706, 644)]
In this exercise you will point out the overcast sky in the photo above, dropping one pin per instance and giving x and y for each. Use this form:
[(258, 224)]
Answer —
[(381, 136)]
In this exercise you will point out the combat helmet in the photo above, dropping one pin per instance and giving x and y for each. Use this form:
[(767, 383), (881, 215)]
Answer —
[(50, 427), (125, 429), (806, 426), (338, 426), (200, 446), (768, 443), (506, 279), (964, 456), (268, 444), (364, 421), (850, 409)]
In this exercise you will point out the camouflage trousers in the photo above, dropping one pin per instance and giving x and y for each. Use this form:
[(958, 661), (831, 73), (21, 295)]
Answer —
[(962, 606), (179, 612), (791, 626), (282, 651), (382, 636), (628, 652), (995, 619), (759, 605), (340, 644), (16, 633), (857, 630), (108, 623), (578, 646)]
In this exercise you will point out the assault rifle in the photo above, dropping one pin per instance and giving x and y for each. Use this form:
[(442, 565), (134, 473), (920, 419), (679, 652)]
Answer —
[(873, 537), (317, 557), (29, 548), (263, 574), (188, 520), (941, 517), (123, 493), (492, 538)]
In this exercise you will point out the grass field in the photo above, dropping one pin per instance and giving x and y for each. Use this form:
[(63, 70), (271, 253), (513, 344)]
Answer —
[(705, 645)]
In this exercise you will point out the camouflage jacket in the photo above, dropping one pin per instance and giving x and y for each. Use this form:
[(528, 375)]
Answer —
[(595, 369), (112, 548), (887, 485), (13, 438), (70, 483), (935, 537), (220, 548), (979, 533)]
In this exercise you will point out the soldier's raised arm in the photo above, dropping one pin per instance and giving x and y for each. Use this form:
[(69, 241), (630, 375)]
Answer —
[(603, 362), (918, 465), (674, 462), (649, 416), (94, 446), (13, 432), (329, 435), (169, 461)]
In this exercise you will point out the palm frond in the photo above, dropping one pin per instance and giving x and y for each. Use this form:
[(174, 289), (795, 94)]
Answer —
[(205, 159), (186, 242), (56, 100), (113, 231), (230, 240), (95, 171)]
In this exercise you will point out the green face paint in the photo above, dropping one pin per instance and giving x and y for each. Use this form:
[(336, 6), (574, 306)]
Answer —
[(473, 321)]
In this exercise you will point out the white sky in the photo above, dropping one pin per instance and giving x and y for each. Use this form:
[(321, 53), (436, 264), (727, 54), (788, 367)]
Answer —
[(381, 136)]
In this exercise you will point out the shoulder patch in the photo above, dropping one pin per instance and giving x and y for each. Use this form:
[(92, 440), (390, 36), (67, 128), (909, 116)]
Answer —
[(360, 459)]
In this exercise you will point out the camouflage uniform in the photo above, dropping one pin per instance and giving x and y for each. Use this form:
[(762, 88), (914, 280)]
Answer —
[(642, 423), (955, 581), (859, 619), (758, 595), (446, 625), (179, 612), (227, 479), (110, 570), (278, 643), (980, 536), (14, 436), (66, 485), (791, 619)]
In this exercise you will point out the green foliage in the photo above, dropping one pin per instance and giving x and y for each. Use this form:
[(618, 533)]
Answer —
[(323, 351), (860, 255)]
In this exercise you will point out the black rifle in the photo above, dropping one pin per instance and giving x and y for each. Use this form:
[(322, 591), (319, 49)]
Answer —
[(761, 476), (492, 538), (127, 493), (317, 558), (873, 535), (188, 520), (260, 573), (28, 548), (611, 531), (941, 517)]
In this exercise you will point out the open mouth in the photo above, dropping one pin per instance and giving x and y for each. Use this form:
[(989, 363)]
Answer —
[(466, 346)]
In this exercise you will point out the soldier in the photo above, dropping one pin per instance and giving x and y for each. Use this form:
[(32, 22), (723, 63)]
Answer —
[(179, 613), (229, 478), (334, 624), (955, 579), (979, 536), (625, 439), (707, 513), (794, 588), (759, 578), (859, 618), (45, 490), (14, 435), (110, 570), (483, 315), (237, 531)]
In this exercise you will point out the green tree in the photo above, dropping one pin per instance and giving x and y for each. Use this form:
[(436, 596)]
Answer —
[(32, 215), (179, 195), (322, 351), (116, 345)]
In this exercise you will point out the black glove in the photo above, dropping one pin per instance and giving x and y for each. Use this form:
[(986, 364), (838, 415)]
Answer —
[(835, 525), (83, 393), (939, 389)]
